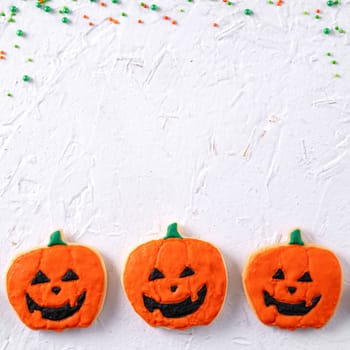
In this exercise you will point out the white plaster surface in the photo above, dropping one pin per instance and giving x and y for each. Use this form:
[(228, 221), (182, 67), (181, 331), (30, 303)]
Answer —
[(239, 133)]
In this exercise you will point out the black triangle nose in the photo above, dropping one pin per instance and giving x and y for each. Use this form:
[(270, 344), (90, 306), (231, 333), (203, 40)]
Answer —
[(56, 290), (291, 290), (173, 288)]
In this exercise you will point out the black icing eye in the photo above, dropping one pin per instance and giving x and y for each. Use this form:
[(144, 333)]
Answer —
[(305, 278), (279, 275), (70, 275), (155, 274), (186, 272), (40, 277)]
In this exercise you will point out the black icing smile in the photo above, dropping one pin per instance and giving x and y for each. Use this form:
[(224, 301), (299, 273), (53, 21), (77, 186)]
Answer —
[(298, 309), (56, 313), (176, 310)]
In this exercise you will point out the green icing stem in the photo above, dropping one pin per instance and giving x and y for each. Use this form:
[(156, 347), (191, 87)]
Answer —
[(172, 231), (56, 239), (295, 237)]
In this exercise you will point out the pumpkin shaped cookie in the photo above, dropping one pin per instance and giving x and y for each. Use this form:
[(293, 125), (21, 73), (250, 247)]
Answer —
[(293, 285), (57, 287), (175, 282)]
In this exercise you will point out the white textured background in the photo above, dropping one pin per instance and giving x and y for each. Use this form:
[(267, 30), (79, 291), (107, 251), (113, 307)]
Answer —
[(239, 133)]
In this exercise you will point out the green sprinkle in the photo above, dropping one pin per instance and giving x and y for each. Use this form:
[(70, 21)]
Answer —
[(66, 9), (47, 9), (29, 59), (229, 3), (306, 13), (334, 62), (13, 9), (326, 31), (3, 14), (16, 46), (20, 32), (182, 10), (336, 75), (336, 28), (336, 2), (190, 0), (329, 54), (38, 5), (270, 2), (154, 7), (317, 16), (248, 12), (9, 94), (142, 4), (26, 78), (123, 14), (11, 20), (330, 3), (65, 20), (341, 31), (92, 0), (115, 1)]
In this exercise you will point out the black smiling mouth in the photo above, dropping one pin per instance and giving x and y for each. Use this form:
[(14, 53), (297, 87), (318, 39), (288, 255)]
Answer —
[(176, 310), (56, 313), (299, 309)]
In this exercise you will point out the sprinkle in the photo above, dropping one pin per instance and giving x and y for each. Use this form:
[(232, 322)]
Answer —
[(103, 4), (2, 14), (91, 24), (317, 17), (29, 59), (330, 3), (215, 24), (47, 9), (2, 52), (326, 31), (86, 17), (13, 9), (2, 57), (142, 4), (329, 54), (66, 10), (341, 31), (123, 14), (16, 46), (336, 28), (11, 20), (26, 78), (9, 94), (224, 0), (65, 20), (154, 7), (279, 2), (173, 22), (38, 5), (110, 19), (306, 13), (334, 62), (182, 10), (166, 18), (20, 32), (248, 12), (115, 1), (336, 75), (139, 21), (318, 11), (229, 3), (115, 21)]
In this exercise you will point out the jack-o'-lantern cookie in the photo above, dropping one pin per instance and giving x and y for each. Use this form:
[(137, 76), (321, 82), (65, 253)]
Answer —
[(57, 287), (175, 282), (293, 285)]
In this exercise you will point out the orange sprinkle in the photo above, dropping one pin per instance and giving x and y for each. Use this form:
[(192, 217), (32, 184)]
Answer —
[(103, 4), (145, 6), (91, 24), (173, 22), (215, 24), (110, 19), (140, 21), (224, 0), (279, 2), (166, 18), (2, 57), (318, 11), (2, 52), (115, 21), (85, 17)]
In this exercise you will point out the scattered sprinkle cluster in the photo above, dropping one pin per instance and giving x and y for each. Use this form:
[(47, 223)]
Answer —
[(65, 18)]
